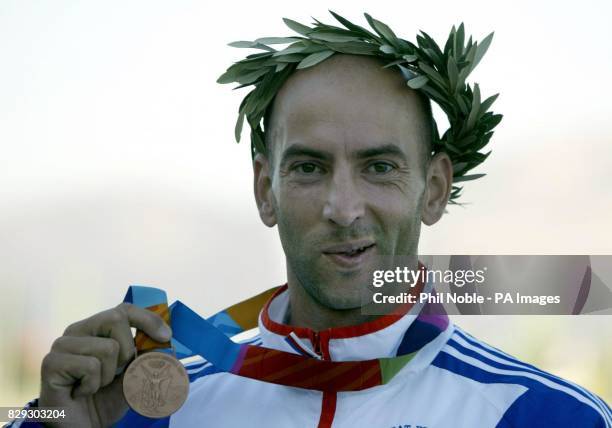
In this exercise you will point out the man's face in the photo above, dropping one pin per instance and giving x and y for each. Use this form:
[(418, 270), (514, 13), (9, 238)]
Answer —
[(347, 180)]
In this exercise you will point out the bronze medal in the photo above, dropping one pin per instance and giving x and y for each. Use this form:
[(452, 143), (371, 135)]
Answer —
[(155, 385)]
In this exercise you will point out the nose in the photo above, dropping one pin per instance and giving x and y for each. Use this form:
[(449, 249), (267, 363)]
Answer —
[(344, 204)]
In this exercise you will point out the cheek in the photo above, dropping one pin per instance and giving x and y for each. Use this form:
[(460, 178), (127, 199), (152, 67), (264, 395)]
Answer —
[(396, 210), (397, 202), (300, 204)]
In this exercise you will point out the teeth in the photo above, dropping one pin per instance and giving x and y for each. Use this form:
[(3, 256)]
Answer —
[(355, 251)]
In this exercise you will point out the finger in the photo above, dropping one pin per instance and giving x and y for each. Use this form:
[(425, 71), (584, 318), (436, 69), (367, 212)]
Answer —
[(116, 323), (149, 322), (104, 349), (75, 375), (111, 323), (122, 333), (100, 324)]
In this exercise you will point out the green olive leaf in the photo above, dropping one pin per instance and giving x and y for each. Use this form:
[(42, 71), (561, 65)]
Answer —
[(332, 37), (475, 108), (453, 74), (250, 45), (482, 49), (484, 106), (290, 58), (314, 59), (418, 82), (238, 127), (297, 27), (277, 40), (352, 27), (383, 30), (387, 49), (252, 76), (467, 177)]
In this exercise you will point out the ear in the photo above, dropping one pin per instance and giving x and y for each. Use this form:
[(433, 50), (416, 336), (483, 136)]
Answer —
[(438, 188), (262, 186)]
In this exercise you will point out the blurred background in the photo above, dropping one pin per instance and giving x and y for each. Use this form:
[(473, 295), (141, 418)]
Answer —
[(118, 165)]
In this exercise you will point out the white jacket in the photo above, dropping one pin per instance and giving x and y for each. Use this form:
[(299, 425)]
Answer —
[(453, 381)]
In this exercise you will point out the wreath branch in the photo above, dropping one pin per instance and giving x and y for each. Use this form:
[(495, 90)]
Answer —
[(440, 73)]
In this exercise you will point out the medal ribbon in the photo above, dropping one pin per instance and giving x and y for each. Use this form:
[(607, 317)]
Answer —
[(155, 300), (210, 338)]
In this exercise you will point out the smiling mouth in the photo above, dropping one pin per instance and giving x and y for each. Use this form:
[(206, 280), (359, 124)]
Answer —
[(354, 251), (349, 255)]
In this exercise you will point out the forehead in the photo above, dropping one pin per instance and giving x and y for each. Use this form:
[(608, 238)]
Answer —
[(347, 103)]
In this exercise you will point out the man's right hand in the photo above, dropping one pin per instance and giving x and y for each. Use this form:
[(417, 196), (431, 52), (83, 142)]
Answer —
[(83, 372)]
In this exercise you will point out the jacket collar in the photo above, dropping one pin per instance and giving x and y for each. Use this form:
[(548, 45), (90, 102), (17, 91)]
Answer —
[(379, 338)]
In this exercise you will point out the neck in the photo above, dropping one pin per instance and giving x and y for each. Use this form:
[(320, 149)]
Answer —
[(306, 311)]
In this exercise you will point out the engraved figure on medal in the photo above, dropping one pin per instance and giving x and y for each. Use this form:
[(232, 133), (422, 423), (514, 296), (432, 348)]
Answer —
[(155, 385)]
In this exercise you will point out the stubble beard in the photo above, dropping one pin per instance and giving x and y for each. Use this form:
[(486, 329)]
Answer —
[(301, 266)]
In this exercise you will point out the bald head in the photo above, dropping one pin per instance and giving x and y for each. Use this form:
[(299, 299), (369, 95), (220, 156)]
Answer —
[(351, 97)]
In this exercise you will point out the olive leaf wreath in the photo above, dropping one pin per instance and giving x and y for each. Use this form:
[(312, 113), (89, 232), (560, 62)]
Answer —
[(439, 74)]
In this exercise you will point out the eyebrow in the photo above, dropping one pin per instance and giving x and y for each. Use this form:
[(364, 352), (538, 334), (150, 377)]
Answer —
[(387, 149), (297, 150)]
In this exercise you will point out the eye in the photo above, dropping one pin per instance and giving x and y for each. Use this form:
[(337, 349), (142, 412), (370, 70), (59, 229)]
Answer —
[(380, 167), (307, 168)]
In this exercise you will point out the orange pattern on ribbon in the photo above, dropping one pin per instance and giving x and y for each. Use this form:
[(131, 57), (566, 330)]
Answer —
[(144, 342)]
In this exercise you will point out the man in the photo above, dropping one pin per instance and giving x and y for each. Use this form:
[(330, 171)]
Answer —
[(348, 177)]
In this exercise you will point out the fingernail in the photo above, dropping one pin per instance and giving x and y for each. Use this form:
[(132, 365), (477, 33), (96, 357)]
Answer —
[(165, 332)]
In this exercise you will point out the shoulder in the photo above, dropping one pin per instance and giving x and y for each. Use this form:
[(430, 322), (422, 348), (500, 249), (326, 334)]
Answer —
[(547, 401)]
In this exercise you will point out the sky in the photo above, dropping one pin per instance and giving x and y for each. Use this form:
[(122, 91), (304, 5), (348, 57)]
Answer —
[(101, 96), (118, 165)]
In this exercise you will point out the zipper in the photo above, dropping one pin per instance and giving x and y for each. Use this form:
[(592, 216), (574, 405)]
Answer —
[(316, 343), (320, 343)]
